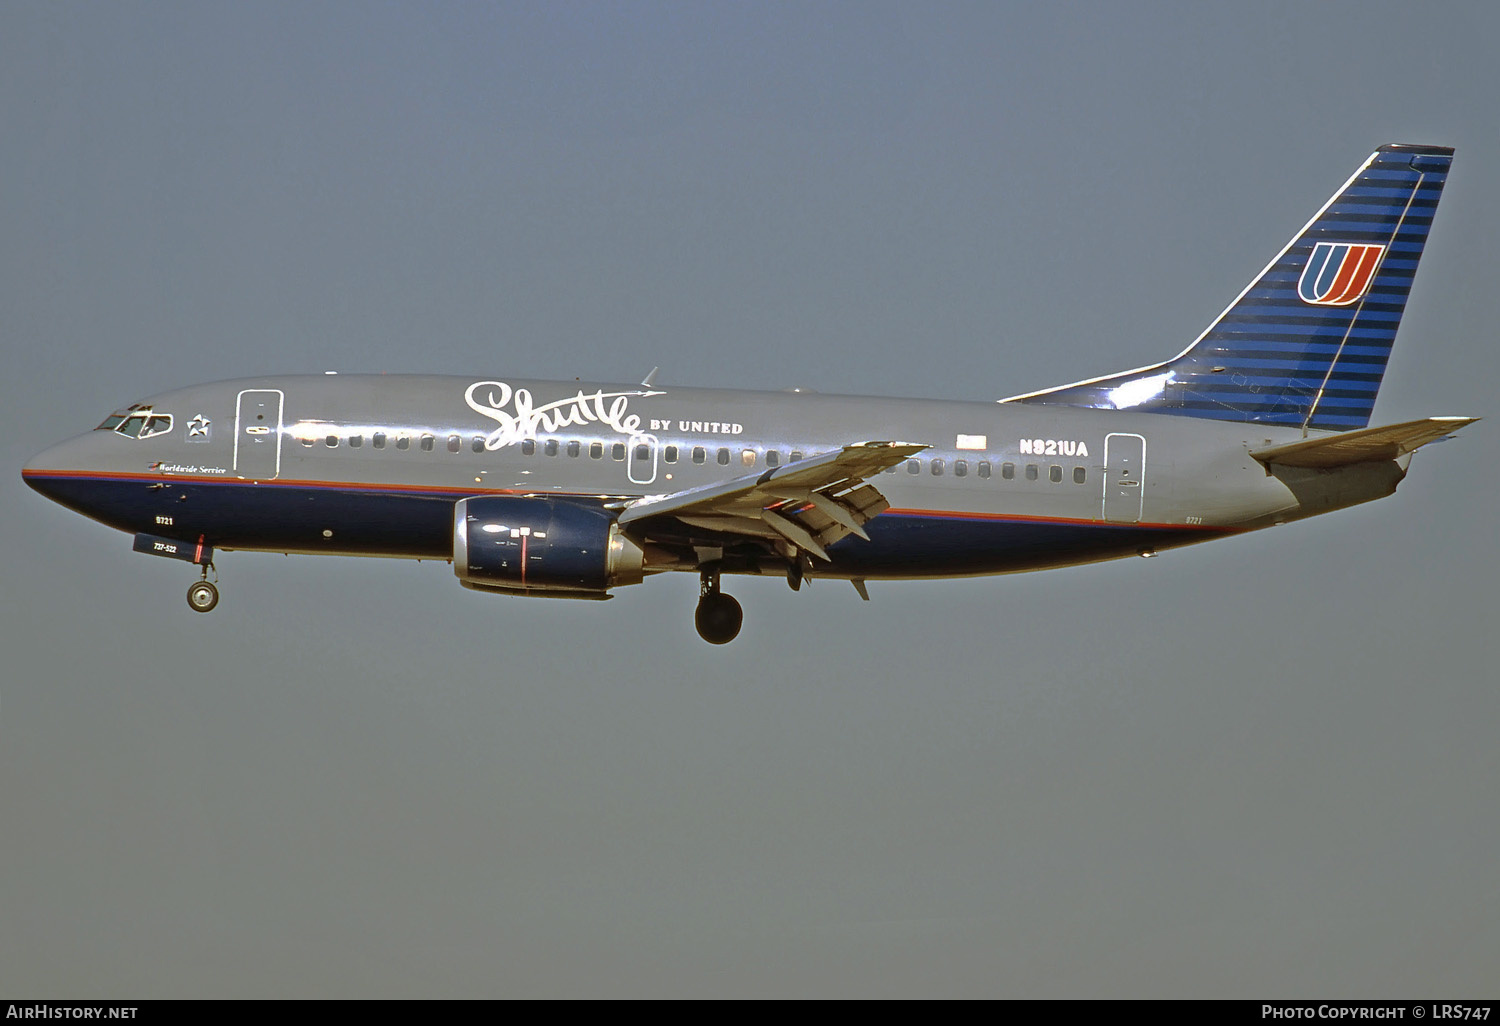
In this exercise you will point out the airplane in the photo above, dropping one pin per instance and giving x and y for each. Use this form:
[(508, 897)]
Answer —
[(570, 489)]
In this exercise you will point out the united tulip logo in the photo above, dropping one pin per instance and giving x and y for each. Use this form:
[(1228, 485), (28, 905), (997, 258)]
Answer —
[(1339, 273)]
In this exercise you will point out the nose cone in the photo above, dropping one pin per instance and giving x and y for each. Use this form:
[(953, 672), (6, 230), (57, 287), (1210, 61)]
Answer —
[(49, 470)]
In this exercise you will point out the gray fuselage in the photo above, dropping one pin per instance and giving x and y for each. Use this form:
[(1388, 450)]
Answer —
[(372, 465)]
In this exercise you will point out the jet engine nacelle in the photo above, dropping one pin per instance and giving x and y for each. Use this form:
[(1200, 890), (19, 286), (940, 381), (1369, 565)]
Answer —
[(541, 546)]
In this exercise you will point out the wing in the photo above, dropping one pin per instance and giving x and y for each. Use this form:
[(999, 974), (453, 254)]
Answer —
[(807, 505)]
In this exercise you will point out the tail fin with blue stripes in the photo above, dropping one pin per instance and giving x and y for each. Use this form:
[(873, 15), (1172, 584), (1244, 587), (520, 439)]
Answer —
[(1307, 342)]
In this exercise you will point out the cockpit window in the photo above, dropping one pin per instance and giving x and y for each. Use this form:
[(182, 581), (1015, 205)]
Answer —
[(113, 421), (137, 422)]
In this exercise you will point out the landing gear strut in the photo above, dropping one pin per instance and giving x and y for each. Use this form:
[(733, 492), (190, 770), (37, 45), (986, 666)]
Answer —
[(203, 596), (719, 616)]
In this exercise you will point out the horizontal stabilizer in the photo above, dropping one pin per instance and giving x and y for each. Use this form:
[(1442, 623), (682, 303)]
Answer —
[(1363, 446)]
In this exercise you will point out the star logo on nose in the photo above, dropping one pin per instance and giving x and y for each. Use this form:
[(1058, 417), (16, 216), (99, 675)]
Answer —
[(198, 428)]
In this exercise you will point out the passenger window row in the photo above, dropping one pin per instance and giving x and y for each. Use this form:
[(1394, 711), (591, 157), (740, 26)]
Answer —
[(378, 441), (937, 466), (553, 447)]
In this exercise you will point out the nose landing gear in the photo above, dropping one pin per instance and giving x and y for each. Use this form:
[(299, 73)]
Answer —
[(718, 617), (203, 595)]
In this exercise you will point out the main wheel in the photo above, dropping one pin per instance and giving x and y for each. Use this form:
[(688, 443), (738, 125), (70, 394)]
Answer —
[(718, 618), (202, 596)]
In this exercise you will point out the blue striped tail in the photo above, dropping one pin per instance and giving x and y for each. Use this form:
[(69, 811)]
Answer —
[(1306, 344)]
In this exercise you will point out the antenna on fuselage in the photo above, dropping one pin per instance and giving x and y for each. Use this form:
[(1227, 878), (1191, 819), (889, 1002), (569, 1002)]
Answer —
[(650, 379)]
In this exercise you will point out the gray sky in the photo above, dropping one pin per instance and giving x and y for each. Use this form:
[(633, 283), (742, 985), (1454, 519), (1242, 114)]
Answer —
[(1263, 767)]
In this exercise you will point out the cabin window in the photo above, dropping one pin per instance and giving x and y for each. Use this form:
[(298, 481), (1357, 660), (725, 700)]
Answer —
[(477, 443), (355, 441), (960, 468), (403, 443), (528, 447), (575, 447), (427, 443), (699, 454), (332, 441), (1079, 474), (892, 469), (596, 450), (642, 453), (307, 440), (748, 457), (455, 443), (723, 457), (913, 466), (1008, 471), (937, 467), (1031, 471), (1054, 474), (549, 447), (773, 458), (796, 455), (617, 452), (670, 454), (984, 469), (378, 439)]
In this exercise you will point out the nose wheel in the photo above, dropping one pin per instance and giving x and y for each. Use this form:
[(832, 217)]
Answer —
[(718, 617), (203, 595)]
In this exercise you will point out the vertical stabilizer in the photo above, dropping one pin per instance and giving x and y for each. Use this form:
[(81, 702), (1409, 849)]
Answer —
[(1306, 343)]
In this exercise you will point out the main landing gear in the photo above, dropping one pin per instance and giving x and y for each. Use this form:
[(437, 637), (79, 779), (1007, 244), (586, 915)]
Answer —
[(203, 595), (718, 617)]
